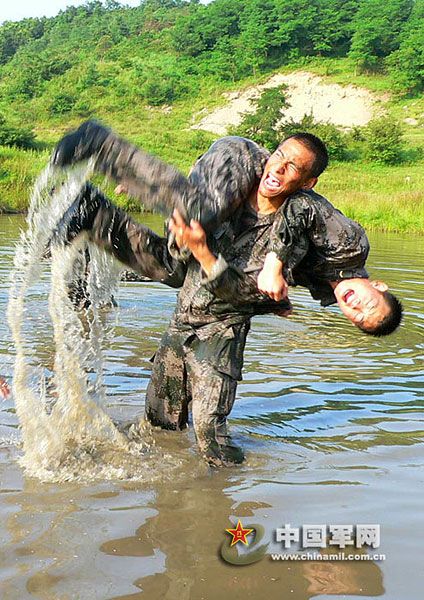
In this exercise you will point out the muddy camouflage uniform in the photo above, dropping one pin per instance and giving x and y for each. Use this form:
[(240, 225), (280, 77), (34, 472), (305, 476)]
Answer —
[(201, 354)]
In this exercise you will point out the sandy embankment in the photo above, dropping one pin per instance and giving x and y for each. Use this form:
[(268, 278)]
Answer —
[(345, 106)]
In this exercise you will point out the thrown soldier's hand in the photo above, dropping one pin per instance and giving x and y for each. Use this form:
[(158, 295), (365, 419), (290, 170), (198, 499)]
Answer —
[(271, 280)]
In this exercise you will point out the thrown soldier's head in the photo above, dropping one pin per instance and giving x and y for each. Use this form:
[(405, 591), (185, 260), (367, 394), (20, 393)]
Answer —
[(369, 305), (295, 165)]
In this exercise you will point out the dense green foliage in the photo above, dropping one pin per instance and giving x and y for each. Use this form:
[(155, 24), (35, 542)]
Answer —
[(148, 71), (158, 52)]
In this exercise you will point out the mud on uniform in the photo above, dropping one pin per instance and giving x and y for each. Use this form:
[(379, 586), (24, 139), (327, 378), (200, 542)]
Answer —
[(201, 354)]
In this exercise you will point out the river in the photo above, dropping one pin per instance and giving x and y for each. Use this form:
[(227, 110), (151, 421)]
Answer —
[(331, 421)]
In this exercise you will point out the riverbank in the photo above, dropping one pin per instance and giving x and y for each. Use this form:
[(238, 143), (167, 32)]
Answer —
[(389, 198), (379, 197)]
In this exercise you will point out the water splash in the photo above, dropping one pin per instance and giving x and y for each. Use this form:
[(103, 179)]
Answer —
[(67, 434)]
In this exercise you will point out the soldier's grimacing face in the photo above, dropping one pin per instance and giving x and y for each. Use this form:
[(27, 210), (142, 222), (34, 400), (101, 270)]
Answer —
[(362, 301), (287, 170)]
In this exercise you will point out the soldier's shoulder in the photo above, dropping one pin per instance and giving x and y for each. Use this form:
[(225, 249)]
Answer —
[(304, 199), (312, 198)]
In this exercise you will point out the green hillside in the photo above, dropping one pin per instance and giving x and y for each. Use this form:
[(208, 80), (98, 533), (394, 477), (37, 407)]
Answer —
[(149, 71)]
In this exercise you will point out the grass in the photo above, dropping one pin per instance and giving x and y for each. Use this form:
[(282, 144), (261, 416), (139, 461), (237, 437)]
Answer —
[(380, 197)]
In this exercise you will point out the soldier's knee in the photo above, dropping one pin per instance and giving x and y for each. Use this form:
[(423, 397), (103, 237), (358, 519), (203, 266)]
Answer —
[(159, 419)]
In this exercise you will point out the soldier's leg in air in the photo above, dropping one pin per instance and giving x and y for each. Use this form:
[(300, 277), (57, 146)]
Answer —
[(219, 181), (112, 229), (167, 395)]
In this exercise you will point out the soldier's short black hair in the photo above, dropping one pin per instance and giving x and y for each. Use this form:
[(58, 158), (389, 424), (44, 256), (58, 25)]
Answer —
[(391, 321), (315, 145)]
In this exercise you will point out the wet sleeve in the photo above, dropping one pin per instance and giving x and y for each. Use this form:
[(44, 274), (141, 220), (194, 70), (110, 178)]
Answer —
[(240, 288), (341, 244), (337, 247)]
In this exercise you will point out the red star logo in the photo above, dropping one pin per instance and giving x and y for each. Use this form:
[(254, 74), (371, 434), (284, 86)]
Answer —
[(239, 534)]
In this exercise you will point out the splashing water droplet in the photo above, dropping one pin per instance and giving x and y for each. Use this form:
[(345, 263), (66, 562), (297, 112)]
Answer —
[(67, 434)]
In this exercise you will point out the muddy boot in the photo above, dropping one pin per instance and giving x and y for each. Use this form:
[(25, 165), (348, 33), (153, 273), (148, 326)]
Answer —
[(216, 445), (224, 456)]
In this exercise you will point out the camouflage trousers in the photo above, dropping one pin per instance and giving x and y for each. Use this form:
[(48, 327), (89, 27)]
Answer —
[(131, 243), (185, 369), (183, 373)]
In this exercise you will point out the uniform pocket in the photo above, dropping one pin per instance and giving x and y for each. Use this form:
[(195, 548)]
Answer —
[(229, 351)]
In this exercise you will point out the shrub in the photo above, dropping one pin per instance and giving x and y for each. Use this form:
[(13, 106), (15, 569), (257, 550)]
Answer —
[(62, 103), (384, 140), (15, 136), (263, 125)]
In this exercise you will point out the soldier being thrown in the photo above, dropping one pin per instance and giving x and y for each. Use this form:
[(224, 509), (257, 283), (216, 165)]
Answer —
[(200, 356), (222, 179)]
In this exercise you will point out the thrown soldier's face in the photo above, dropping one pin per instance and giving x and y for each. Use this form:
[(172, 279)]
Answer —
[(362, 301), (287, 170)]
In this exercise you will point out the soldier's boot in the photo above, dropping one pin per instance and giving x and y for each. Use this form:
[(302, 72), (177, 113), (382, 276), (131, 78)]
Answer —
[(215, 444), (230, 453), (81, 144)]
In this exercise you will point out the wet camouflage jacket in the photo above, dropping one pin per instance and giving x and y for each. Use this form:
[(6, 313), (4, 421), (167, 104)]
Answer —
[(230, 294), (217, 309), (318, 244)]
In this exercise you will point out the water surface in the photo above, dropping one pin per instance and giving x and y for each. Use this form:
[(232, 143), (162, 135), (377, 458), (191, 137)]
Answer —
[(332, 424)]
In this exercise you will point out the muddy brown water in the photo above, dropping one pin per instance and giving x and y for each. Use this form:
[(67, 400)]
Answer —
[(332, 424)]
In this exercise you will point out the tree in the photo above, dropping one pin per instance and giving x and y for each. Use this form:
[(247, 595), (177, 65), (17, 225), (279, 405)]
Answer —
[(407, 63), (13, 35), (294, 24), (377, 27), (332, 30), (262, 125), (256, 30)]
